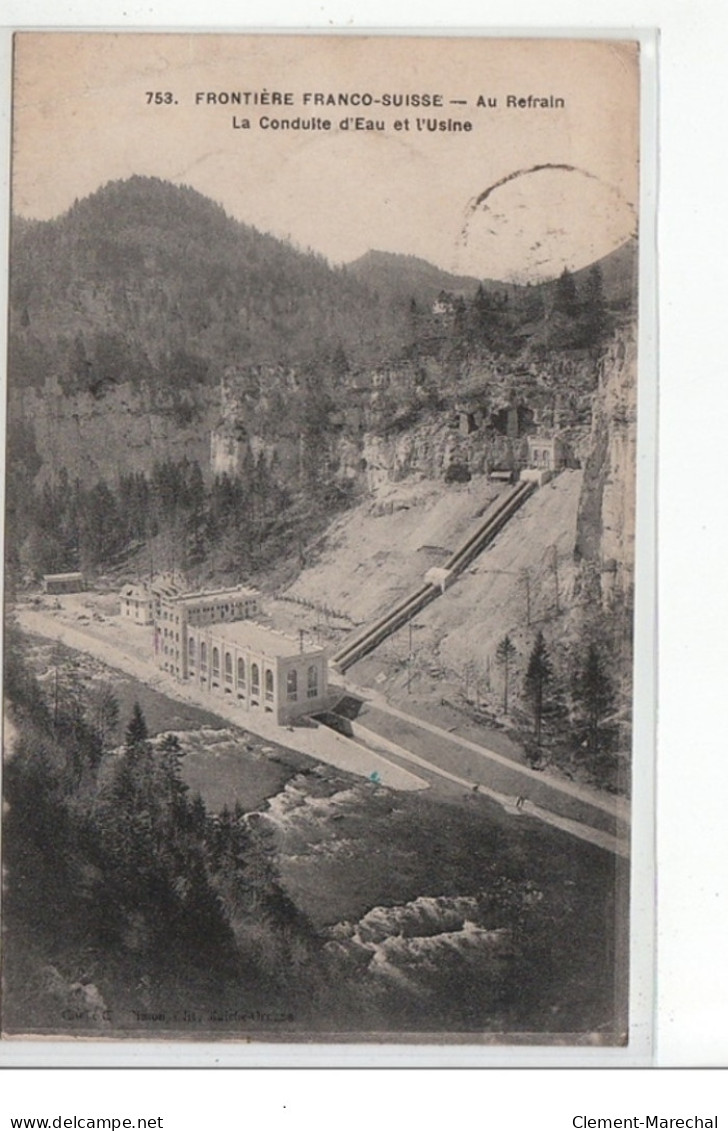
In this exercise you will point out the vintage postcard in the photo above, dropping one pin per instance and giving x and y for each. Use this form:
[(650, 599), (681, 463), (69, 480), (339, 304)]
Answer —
[(320, 538)]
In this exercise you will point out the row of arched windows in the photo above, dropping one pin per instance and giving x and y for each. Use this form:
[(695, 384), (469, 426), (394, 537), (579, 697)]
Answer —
[(254, 668), (292, 678)]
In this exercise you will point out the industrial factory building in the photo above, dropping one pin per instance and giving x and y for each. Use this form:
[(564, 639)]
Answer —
[(260, 669), (208, 638)]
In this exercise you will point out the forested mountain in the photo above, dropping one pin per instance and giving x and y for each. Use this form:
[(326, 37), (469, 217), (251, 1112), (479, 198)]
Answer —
[(405, 277), (618, 271), (153, 283)]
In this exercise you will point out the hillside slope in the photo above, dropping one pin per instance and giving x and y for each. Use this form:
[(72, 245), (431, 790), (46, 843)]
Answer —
[(511, 588), (382, 548)]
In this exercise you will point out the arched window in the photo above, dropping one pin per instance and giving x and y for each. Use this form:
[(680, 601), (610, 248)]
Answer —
[(292, 685), (312, 682), (269, 685), (228, 668), (241, 672), (254, 679), (215, 662), (203, 656)]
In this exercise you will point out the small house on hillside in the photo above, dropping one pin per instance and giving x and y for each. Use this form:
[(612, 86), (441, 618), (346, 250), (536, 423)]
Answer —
[(443, 305)]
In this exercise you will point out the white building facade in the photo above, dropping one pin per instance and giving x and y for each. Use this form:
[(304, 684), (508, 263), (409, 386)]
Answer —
[(136, 604), (546, 453), (257, 668)]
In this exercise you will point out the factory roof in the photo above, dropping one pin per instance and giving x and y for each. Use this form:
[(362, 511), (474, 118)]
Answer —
[(267, 641), (138, 591), (215, 594)]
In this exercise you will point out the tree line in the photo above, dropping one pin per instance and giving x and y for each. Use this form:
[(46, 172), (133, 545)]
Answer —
[(577, 711), (559, 316), (247, 519)]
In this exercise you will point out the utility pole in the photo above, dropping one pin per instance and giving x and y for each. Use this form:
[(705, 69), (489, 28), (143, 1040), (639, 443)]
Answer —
[(556, 576), (527, 582), (410, 655)]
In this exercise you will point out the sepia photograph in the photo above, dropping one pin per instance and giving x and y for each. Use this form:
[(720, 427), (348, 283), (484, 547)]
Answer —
[(321, 447)]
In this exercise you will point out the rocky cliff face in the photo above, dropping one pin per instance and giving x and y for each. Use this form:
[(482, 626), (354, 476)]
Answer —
[(129, 428), (428, 450), (124, 430), (606, 523)]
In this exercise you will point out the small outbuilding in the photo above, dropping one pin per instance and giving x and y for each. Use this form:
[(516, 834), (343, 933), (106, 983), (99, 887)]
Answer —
[(502, 474), (57, 583), (546, 454)]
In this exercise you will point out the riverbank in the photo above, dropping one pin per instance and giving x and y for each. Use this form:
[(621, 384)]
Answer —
[(107, 642)]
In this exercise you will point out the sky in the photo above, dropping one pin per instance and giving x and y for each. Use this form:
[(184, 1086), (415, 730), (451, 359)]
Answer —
[(85, 112)]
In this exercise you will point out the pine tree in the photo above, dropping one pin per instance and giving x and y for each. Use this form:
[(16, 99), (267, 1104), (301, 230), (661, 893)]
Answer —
[(413, 319), (594, 692), (482, 314), (460, 318), (505, 654), (103, 711), (339, 363), (566, 299), (532, 305), (136, 732), (596, 321), (538, 674), (101, 525)]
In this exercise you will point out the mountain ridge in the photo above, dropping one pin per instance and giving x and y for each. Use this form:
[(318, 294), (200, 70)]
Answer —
[(396, 273), (143, 272)]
